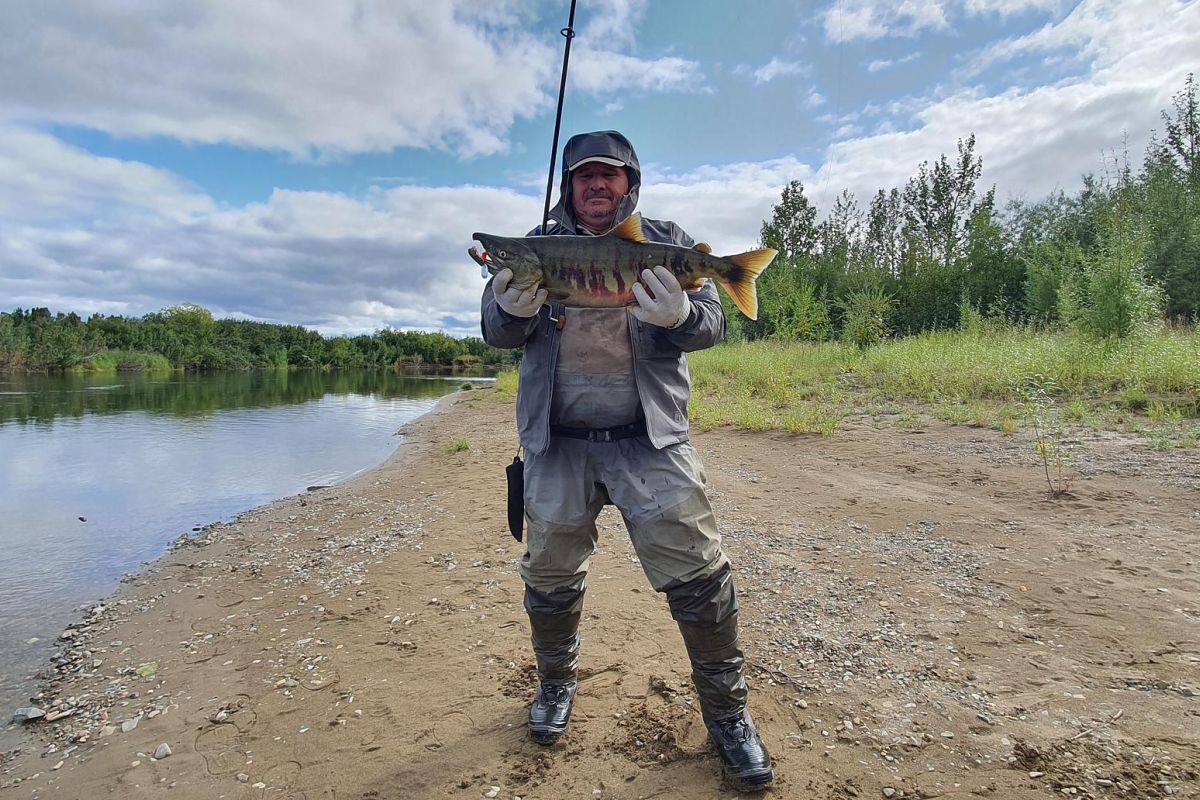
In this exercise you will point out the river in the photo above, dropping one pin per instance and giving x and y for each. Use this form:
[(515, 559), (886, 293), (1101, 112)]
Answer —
[(98, 474)]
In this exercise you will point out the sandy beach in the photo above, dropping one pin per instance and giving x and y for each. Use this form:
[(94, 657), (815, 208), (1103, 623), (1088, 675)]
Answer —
[(921, 618)]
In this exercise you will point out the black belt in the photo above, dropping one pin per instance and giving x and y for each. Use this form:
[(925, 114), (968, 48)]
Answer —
[(601, 434)]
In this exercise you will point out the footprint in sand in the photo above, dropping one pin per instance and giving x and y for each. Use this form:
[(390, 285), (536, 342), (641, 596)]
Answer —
[(223, 749), (223, 744), (448, 730), (281, 782)]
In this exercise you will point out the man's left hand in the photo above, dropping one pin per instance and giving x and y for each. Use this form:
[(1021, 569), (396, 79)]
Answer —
[(668, 307)]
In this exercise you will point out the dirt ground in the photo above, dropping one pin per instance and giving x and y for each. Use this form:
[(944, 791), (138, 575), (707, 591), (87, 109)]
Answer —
[(920, 617)]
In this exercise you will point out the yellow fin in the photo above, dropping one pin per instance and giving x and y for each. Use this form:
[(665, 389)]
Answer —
[(739, 281), (704, 247), (631, 229)]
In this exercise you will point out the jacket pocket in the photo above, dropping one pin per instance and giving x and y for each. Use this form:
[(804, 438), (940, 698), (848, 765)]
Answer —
[(652, 342)]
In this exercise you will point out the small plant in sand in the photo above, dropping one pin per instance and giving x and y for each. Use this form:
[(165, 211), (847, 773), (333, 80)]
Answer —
[(1042, 416), (458, 445)]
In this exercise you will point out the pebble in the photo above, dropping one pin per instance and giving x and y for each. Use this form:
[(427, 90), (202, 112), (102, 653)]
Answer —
[(28, 714), (888, 791), (162, 751), (492, 792)]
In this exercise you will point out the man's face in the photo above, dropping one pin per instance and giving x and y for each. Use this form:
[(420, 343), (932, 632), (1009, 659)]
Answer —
[(596, 191)]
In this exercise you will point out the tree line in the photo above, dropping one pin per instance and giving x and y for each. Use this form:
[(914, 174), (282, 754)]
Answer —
[(188, 337), (1120, 254)]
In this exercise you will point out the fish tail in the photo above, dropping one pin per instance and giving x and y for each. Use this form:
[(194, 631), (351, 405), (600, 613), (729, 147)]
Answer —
[(739, 280)]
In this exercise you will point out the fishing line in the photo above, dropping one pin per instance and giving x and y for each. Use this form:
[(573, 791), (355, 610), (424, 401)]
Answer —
[(569, 33)]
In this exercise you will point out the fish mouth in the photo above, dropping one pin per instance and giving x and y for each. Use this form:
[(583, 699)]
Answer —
[(479, 254)]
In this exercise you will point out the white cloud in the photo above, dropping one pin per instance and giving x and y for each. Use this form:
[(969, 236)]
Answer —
[(43, 179), (311, 78), (1034, 141), (605, 72), (777, 68), (883, 63), (1006, 8), (724, 205), (340, 264), (848, 20)]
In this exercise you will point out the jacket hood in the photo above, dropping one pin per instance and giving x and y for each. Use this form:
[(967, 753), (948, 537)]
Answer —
[(598, 143)]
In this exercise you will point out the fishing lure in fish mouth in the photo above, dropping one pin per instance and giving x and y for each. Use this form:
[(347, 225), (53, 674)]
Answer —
[(481, 259), (600, 271)]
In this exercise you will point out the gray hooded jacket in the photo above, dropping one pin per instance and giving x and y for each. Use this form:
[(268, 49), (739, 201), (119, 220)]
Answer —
[(659, 364)]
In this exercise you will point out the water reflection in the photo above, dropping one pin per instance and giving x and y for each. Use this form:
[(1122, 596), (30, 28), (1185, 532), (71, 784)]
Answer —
[(42, 398), (98, 475)]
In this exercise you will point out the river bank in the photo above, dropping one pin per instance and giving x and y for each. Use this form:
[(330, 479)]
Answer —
[(922, 620)]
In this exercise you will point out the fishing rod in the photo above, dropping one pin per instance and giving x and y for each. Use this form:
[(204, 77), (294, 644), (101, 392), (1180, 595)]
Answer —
[(569, 33)]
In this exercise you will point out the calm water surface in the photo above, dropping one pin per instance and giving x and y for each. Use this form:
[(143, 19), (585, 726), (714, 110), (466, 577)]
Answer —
[(98, 475)]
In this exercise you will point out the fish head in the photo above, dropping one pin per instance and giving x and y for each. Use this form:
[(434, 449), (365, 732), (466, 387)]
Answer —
[(505, 252)]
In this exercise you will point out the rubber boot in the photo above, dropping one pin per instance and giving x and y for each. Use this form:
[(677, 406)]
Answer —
[(554, 622), (706, 610)]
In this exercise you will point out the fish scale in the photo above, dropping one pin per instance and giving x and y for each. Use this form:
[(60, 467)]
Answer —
[(600, 271)]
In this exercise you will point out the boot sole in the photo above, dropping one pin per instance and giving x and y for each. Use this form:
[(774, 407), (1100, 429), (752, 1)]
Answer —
[(546, 735), (754, 782)]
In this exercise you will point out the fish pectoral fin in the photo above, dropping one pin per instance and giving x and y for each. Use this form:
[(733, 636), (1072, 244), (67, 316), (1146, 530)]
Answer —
[(703, 247), (630, 229), (739, 281)]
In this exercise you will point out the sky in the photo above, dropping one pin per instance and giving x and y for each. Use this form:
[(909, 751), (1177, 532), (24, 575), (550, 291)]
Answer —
[(324, 162)]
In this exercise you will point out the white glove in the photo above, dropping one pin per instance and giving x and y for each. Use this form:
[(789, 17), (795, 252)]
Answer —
[(516, 301), (669, 307)]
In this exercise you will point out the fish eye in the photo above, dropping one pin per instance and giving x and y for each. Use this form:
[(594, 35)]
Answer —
[(503, 254)]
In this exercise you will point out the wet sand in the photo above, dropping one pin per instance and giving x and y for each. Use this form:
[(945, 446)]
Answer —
[(921, 620)]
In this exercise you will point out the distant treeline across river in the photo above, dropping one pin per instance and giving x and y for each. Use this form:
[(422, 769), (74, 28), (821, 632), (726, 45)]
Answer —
[(188, 337)]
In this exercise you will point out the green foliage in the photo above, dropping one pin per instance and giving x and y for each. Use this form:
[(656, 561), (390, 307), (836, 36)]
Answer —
[(1049, 265), (1171, 187), (1111, 296), (187, 337), (1108, 261), (865, 317), (125, 361), (458, 444), (506, 384)]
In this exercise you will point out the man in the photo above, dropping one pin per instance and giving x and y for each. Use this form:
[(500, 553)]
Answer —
[(602, 414)]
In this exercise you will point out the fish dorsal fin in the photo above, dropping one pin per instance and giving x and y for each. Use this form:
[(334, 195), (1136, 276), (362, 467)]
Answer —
[(631, 229), (704, 247)]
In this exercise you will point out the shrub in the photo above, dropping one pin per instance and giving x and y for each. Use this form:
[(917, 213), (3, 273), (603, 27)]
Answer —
[(865, 313)]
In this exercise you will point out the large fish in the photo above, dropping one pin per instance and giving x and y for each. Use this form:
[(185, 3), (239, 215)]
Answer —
[(600, 271)]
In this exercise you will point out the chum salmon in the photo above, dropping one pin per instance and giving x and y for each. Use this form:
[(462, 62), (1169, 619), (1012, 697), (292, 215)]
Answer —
[(600, 271)]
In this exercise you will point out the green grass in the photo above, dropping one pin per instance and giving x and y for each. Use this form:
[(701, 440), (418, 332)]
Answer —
[(1149, 386), (458, 445), (965, 378), (506, 384)]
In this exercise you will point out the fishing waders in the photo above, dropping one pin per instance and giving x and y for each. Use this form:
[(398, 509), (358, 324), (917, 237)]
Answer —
[(706, 610), (554, 623)]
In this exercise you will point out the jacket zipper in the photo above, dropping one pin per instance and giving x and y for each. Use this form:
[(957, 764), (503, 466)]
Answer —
[(555, 333), (633, 348)]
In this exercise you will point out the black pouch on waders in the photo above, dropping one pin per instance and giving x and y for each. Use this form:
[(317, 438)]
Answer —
[(515, 472)]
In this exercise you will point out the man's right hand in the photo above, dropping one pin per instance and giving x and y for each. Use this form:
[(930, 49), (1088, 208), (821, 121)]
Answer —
[(518, 302)]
